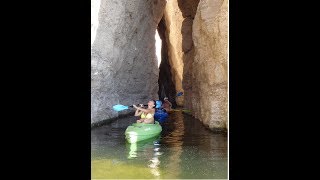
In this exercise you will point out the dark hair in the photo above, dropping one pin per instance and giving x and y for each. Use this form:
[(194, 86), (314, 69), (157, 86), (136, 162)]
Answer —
[(155, 103)]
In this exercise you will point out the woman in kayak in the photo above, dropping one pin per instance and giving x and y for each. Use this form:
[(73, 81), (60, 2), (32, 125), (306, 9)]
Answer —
[(147, 115)]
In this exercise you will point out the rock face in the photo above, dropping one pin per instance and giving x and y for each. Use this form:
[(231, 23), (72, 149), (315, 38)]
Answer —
[(173, 19), (197, 40), (194, 54), (188, 10), (179, 17), (209, 69), (123, 62)]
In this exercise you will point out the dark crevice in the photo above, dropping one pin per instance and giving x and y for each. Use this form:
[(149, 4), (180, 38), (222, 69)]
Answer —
[(166, 85)]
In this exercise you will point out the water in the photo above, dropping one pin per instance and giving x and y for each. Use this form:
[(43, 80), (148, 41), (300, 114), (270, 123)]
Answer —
[(184, 150)]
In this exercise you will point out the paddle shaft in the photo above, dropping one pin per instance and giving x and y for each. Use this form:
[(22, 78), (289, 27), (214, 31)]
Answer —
[(138, 105)]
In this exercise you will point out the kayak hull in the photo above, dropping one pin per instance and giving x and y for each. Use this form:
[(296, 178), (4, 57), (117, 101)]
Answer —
[(142, 131)]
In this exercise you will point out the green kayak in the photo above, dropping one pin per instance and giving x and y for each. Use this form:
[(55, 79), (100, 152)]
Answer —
[(141, 131)]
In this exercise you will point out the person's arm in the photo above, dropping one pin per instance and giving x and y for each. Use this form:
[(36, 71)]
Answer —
[(137, 113), (142, 109)]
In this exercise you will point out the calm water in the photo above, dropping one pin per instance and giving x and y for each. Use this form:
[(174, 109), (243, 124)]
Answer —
[(184, 150)]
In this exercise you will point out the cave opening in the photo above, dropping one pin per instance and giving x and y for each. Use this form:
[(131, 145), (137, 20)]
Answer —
[(158, 47), (166, 84)]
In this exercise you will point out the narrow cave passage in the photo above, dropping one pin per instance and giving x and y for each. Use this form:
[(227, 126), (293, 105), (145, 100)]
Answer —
[(149, 50), (194, 57), (166, 85)]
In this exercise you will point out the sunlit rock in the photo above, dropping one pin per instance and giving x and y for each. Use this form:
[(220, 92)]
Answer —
[(124, 67)]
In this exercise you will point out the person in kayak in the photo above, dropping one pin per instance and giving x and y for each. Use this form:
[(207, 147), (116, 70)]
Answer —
[(167, 105), (147, 115)]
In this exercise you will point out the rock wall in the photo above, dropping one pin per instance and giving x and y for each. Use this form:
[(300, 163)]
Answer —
[(173, 18), (194, 56), (123, 62), (188, 9), (179, 15), (209, 69), (197, 41)]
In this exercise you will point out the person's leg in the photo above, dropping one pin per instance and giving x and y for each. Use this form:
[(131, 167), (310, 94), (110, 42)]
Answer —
[(148, 121)]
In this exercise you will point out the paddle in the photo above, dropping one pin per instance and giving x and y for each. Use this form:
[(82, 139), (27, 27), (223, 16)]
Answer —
[(183, 110), (179, 94), (120, 107)]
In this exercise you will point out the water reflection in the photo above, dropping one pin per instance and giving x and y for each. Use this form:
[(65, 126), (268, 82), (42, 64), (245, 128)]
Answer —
[(149, 148), (140, 148), (154, 161), (173, 138), (184, 150)]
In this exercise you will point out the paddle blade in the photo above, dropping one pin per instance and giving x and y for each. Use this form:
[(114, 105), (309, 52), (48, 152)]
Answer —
[(179, 94), (120, 107)]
